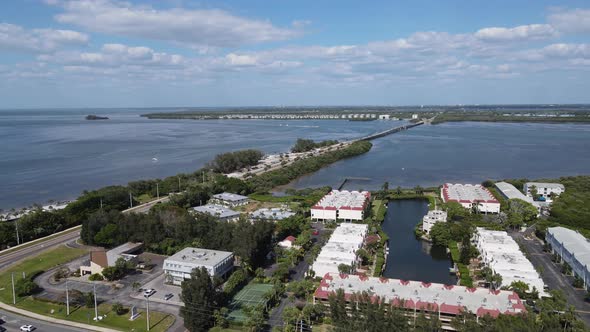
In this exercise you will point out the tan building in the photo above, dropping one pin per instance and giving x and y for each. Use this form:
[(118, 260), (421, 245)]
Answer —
[(99, 259)]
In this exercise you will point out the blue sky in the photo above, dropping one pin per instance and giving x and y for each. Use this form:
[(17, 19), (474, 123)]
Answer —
[(111, 53)]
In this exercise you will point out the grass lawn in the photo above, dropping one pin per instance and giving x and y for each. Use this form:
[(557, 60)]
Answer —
[(42, 262), (158, 321), (144, 198), (33, 242), (55, 257)]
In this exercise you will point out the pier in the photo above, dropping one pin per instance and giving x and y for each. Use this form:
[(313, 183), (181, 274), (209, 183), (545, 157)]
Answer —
[(349, 179)]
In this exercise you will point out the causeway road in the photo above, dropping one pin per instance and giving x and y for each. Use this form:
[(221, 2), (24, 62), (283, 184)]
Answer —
[(13, 322), (16, 255)]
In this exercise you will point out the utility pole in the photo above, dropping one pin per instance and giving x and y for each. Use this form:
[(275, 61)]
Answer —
[(130, 200), (13, 292), (179, 184), (101, 203), (147, 298), (203, 176), (16, 226), (95, 304), (67, 298), (158, 190)]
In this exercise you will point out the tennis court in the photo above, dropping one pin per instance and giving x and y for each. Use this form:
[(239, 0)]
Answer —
[(250, 295)]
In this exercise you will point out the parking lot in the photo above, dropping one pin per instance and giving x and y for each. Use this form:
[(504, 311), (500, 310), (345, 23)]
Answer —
[(161, 289)]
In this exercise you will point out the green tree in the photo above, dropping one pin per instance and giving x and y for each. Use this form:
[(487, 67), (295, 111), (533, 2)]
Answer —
[(199, 298), (255, 317), (344, 268), (118, 308), (440, 234)]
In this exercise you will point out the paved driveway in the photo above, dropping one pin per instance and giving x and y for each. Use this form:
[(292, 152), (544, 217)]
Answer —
[(552, 276)]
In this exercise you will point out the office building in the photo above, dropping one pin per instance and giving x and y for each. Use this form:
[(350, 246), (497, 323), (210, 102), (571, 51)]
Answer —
[(179, 266)]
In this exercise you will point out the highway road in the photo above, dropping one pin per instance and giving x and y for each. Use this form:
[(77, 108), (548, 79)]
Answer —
[(12, 322), (20, 254)]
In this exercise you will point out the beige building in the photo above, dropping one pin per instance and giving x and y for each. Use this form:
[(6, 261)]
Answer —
[(99, 259)]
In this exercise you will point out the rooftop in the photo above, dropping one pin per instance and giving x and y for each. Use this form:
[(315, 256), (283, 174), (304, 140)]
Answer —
[(446, 298), (344, 199), (200, 257), (573, 242), (502, 254), (467, 193), (272, 214), (341, 248), (545, 185), (216, 210), (511, 192), (230, 197), (124, 249)]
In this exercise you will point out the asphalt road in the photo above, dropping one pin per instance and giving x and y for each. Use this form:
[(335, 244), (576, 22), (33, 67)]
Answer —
[(552, 276), (12, 322), (20, 254)]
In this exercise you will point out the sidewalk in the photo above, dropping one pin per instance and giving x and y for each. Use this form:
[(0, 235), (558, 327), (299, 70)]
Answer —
[(53, 320)]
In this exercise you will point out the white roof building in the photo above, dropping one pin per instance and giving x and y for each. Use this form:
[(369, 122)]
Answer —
[(218, 211), (431, 218), (573, 248), (271, 214), (471, 196), (179, 266), (445, 301), (544, 189), (502, 254), (229, 199), (341, 248), (341, 205)]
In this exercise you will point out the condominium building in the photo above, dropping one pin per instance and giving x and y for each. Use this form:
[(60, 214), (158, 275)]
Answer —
[(341, 248), (502, 255), (341, 205), (414, 297), (572, 248), (179, 266), (545, 190), (474, 197), (433, 217)]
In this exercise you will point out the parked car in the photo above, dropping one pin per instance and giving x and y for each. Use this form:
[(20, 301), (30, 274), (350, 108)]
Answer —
[(316, 232), (27, 328), (168, 296), (149, 292)]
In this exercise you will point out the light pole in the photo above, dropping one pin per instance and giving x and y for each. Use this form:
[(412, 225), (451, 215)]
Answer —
[(158, 190), (13, 292), (130, 200), (95, 304), (67, 298), (147, 299)]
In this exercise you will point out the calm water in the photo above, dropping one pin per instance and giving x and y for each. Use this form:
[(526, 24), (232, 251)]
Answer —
[(409, 258), (464, 152), (56, 154)]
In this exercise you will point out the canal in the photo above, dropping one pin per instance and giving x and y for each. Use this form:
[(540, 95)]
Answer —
[(410, 258)]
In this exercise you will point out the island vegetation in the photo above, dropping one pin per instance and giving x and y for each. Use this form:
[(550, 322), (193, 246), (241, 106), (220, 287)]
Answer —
[(304, 145), (96, 117), (233, 161)]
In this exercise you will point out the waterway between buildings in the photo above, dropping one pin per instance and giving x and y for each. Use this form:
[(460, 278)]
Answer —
[(410, 258)]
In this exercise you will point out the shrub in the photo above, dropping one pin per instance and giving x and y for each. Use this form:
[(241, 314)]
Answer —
[(118, 308), (96, 277)]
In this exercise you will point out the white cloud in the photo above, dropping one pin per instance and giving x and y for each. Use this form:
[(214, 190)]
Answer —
[(195, 27), (519, 33), (116, 55), (17, 38), (575, 20)]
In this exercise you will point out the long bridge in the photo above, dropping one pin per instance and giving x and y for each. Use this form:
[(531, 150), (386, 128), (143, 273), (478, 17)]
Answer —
[(389, 132)]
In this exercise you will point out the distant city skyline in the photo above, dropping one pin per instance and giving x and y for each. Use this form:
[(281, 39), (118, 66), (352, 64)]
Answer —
[(229, 53)]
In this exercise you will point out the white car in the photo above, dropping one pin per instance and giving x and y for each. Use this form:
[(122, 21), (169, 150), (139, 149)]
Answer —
[(149, 292), (27, 328)]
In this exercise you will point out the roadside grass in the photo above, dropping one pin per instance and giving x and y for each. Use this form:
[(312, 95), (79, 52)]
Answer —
[(144, 198), (36, 241), (41, 262), (55, 257), (159, 322)]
